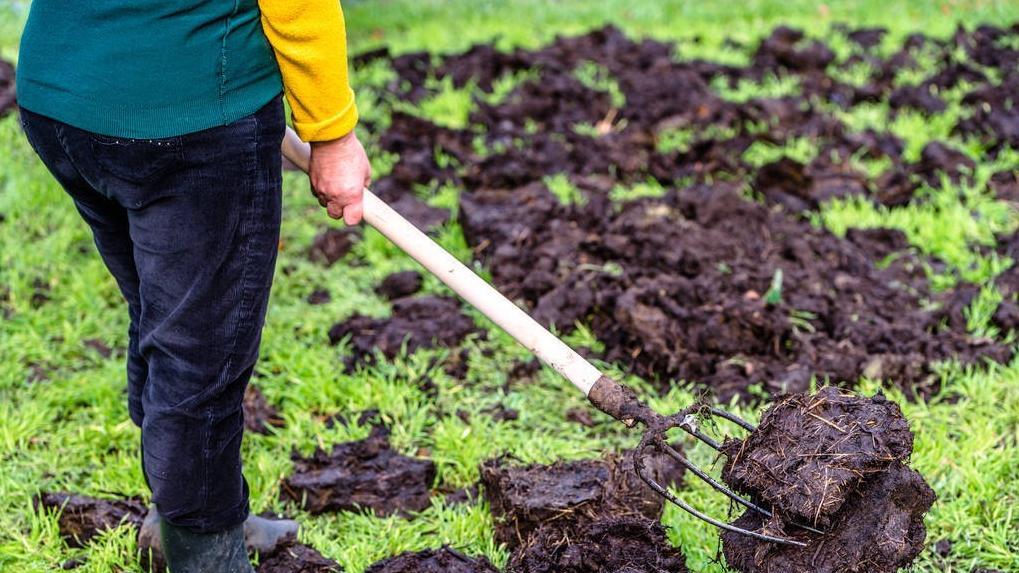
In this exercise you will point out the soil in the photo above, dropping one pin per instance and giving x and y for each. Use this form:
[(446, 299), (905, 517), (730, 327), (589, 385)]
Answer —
[(259, 415), (582, 516), (98, 346), (8, 99), (464, 495), (677, 286), (420, 214), (82, 517), (500, 413), (416, 322), (319, 296), (835, 461), (363, 474), (523, 498), (443, 560), (810, 451), (400, 284), (297, 558), (878, 530), (332, 245), (627, 544), (580, 416)]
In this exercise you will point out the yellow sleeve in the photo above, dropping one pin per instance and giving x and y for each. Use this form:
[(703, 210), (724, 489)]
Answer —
[(310, 41)]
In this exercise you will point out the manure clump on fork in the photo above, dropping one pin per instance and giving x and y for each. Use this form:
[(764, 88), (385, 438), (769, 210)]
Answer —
[(833, 461)]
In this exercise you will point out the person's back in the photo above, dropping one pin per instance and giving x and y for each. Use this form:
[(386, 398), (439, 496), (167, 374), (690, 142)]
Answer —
[(162, 120), (146, 68)]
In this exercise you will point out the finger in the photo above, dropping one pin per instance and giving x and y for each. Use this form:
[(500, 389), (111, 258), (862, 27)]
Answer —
[(335, 210), (353, 213)]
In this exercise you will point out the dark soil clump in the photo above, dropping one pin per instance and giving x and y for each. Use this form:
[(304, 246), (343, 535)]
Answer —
[(319, 296), (400, 284), (364, 474), (523, 498), (82, 517), (420, 214), (443, 560), (608, 545), (835, 461), (332, 245), (297, 558), (8, 100), (879, 530), (463, 495), (417, 322), (583, 516), (259, 415), (97, 345), (810, 451)]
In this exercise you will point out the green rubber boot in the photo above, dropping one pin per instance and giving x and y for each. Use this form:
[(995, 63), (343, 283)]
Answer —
[(261, 535), (189, 552)]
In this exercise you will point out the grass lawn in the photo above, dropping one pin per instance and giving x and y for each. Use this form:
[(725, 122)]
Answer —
[(63, 415)]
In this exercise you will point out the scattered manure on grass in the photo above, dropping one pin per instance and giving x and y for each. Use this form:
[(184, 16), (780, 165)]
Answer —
[(319, 296), (633, 545), (8, 99), (675, 285), (400, 284), (332, 245), (297, 558), (259, 414), (588, 515), (365, 474), (442, 560), (417, 322), (81, 518)]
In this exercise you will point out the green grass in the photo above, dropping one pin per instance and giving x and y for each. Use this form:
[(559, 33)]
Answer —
[(69, 429)]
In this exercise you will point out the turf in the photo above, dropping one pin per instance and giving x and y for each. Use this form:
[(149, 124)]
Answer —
[(63, 418)]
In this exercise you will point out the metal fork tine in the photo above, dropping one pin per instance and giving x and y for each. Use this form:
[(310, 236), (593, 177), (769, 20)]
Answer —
[(720, 524), (732, 418), (702, 437), (720, 486)]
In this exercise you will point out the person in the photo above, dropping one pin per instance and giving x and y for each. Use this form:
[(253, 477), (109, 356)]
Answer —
[(162, 120)]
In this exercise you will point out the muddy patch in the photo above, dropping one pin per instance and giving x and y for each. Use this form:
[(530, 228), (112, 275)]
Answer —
[(365, 474), (416, 322), (332, 245), (8, 100), (319, 296), (611, 544), (400, 284), (259, 414), (705, 286), (443, 560), (574, 516), (297, 558), (82, 517), (835, 461)]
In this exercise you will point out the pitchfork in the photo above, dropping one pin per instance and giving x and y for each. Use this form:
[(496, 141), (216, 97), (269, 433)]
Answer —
[(604, 393)]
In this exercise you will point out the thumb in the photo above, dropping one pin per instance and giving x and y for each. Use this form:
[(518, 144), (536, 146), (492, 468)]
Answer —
[(353, 213)]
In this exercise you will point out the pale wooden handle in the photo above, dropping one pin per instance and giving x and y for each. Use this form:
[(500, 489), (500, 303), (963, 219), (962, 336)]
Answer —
[(464, 282)]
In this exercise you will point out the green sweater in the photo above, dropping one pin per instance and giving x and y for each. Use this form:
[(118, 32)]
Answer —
[(145, 68)]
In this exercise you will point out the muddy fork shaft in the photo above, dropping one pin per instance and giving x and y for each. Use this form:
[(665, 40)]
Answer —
[(464, 282)]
